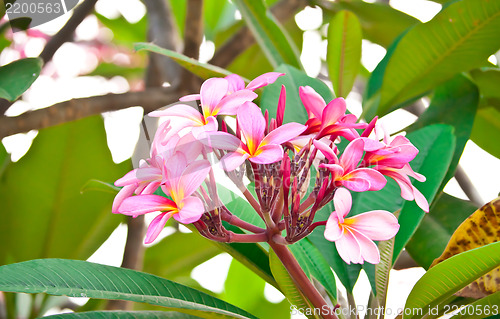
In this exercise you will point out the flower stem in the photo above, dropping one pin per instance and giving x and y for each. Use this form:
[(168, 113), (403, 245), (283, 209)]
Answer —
[(301, 280)]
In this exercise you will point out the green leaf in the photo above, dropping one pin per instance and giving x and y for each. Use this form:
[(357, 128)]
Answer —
[(344, 51), (293, 78), (239, 206), (380, 22), (486, 128), (125, 32), (431, 238), (454, 103), (46, 215), (123, 315), (315, 266), (434, 161), (202, 70), (176, 255), (287, 286), (17, 77), (486, 307), (443, 280), (459, 38), (218, 15), (77, 278), (488, 80), (4, 159), (271, 37), (100, 186)]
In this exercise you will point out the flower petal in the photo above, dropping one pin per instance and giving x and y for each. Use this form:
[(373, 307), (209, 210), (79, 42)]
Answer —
[(143, 204), (252, 125), (235, 82), (326, 150), (156, 226), (180, 110), (192, 209), (356, 184), (352, 155), (231, 103), (342, 201), (369, 251), (348, 248), (223, 141), (128, 179), (232, 161), (333, 112), (193, 176), (336, 170), (148, 174), (313, 102), (283, 134), (211, 92), (375, 178), (190, 97), (376, 224), (333, 229), (420, 200), (268, 154), (263, 80), (125, 192)]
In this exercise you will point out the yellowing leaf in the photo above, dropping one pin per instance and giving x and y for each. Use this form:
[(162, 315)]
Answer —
[(481, 228)]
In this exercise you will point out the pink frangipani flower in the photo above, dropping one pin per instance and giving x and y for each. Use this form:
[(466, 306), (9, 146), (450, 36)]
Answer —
[(253, 145), (345, 172), (236, 83), (354, 236), (183, 207)]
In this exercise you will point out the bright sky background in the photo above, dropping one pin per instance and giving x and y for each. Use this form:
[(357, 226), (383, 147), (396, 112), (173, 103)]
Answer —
[(123, 126)]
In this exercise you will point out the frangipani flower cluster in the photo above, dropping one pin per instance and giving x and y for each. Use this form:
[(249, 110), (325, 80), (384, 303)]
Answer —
[(285, 159)]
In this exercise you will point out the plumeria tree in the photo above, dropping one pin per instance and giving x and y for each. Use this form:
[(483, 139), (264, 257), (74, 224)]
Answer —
[(281, 172)]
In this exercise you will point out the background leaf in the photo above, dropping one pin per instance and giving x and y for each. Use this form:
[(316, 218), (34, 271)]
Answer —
[(123, 315), (434, 51), (344, 51), (270, 36), (16, 77), (486, 126), (45, 214), (76, 278)]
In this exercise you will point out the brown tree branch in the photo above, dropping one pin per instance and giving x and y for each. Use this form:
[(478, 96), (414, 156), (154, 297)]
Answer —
[(237, 44), (193, 36), (149, 99)]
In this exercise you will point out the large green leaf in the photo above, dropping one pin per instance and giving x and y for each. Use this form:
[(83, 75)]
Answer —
[(218, 15), (177, 254), (433, 52), (77, 278), (454, 103), (202, 70), (487, 307), (123, 315), (485, 130), (449, 276), (271, 37), (16, 77), (344, 51), (293, 78), (488, 80), (45, 213), (431, 238), (434, 163), (380, 22), (243, 288), (315, 266)]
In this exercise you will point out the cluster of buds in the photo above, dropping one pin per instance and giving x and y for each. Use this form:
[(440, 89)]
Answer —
[(281, 159)]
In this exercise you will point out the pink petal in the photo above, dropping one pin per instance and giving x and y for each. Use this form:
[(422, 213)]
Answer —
[(211, 92), (252, 125), (280, 112), (200, 131), (333, 112), (156, 226), (190, 97), (326, 150), (420, 200), (268, 154), (223, 141), (148, 174), (409, 171), (283, 134), (333, 229), (190, 146), (348, 248), (143, 204), (232, 161), (342, 201), (336, 170), (231, 103), (376, 224), (193, 176), (150, 188), (235, 82), (263, 80), (403, 182), (125, 192), (352, 155), (369, 251), (313, 102), (376, 179), (191, 211), (356, 184), (372, 145), (180, 110), (128, 179)]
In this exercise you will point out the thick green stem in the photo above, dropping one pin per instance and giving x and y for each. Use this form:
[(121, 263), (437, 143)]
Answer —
[(301, 280)]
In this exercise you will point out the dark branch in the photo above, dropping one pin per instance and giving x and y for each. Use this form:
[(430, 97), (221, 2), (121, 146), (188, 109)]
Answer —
[(75, 109), (282, 11), (193, 36)]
